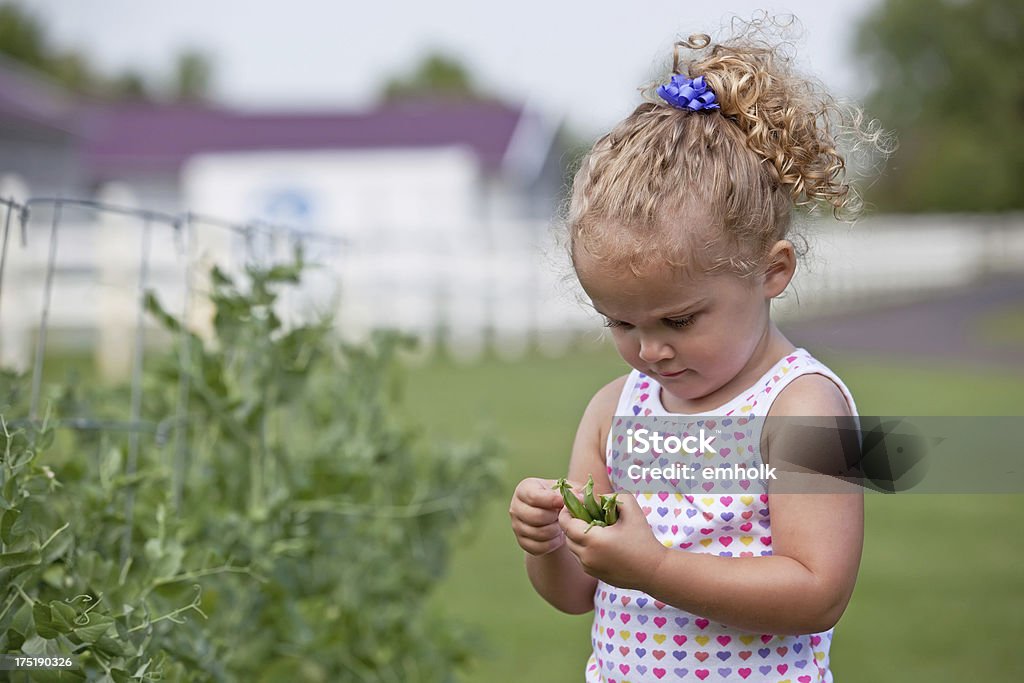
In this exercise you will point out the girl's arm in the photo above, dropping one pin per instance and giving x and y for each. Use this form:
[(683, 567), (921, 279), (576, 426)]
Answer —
[(803, 587), (558, 576)]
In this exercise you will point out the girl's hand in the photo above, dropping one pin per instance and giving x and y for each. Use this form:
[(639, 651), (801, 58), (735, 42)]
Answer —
[(625, 554), (534, 512)]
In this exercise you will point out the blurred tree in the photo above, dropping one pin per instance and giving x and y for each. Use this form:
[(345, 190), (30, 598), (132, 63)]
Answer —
[(130, 85), (947, 79), (437, 76), (24, 40), (21, 36), (192, 75)]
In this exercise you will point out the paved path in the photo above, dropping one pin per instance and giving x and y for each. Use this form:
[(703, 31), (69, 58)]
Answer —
[(945, 326)]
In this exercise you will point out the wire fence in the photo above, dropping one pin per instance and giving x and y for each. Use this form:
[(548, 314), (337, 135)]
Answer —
[(261, 242)]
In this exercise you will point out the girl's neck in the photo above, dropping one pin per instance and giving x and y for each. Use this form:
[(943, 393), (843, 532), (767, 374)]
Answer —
[(770, 348)]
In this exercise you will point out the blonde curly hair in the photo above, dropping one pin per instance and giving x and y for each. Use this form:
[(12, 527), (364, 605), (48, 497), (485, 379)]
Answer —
[(716, 189)]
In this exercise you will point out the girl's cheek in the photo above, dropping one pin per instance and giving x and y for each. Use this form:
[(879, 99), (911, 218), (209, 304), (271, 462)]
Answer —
[(626, 348)]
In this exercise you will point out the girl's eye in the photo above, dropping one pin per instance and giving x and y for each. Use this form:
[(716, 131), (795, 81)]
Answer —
[(674, 323), (679, 323)]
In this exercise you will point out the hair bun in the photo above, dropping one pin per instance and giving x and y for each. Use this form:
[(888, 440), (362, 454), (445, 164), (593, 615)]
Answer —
[(789, 120)]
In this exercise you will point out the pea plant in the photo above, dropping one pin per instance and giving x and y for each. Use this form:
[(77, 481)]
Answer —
[(284, 518), (60, 595)]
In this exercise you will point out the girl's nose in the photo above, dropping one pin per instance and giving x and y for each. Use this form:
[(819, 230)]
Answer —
[(652, 350)]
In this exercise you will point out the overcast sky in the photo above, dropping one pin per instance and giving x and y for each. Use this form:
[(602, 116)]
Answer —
[(578, 59)]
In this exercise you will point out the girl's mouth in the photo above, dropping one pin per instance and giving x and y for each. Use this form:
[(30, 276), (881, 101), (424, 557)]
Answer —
[(671, 374)]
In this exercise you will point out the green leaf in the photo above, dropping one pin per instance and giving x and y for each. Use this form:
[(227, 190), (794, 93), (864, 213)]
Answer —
[(15, 641), (22, 558), (63, 615), (45, 440), (10, 489), (98, 626), (156, 309), (22, 621), (111, 466), (219, 277), (112, 648), (6, 522), (46, 626), (37, 518), (170, 562), (58, 547), (57, 675), (54, 575)]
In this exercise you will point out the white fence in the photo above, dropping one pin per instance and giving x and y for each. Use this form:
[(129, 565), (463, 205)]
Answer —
[(894, 258), (513, 296)]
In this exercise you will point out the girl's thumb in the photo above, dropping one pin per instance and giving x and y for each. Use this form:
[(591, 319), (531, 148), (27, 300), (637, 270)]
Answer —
[(554, 496), (628, 501)]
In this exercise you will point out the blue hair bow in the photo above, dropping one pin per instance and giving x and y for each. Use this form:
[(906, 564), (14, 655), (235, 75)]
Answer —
[(684, 93)]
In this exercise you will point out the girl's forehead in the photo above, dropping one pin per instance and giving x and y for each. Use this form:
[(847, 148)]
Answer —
[(654, 289), (653, 276)]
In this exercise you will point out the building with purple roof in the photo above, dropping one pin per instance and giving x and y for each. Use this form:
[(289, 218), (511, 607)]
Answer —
[(417, 191)]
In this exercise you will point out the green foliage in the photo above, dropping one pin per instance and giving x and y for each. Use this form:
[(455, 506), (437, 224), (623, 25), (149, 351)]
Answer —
[(287, 525), (60, 597), (437, 76), (193, 73), (947, 78), (24, 39)]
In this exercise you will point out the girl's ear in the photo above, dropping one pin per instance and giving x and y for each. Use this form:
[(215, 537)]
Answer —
[(780, 269)]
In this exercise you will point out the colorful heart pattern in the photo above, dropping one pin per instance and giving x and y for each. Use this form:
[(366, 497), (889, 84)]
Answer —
[(637, 639)]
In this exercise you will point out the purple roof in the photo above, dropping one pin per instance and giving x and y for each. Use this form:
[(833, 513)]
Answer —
[(160, 137)]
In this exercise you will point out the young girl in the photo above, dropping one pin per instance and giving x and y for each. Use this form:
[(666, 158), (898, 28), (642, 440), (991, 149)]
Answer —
[(678, 226)]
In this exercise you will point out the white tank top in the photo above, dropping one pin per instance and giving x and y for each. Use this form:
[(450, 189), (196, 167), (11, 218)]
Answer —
[(637, 639)]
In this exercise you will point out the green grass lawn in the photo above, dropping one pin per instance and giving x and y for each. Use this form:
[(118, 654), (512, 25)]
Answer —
[(1002, 327), (940, 594)]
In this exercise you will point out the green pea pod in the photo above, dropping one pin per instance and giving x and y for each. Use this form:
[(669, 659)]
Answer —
[(594, 523), (576, 508), (589, 502), (610, 506)]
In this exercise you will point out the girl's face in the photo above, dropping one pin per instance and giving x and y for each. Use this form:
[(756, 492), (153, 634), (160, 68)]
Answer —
[(693, 334)]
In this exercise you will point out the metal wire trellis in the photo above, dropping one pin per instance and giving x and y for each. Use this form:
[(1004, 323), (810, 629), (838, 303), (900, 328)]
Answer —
[(184, 226)]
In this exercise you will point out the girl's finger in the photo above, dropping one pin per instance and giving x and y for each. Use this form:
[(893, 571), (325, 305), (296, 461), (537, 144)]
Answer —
[(540, 547), (629, 506), (543, 495), (564, 518), (540, 534), (574, 547), (533, 516), (572, 527)]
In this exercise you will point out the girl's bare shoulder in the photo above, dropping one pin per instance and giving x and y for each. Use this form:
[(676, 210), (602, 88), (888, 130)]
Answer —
[(606, 399), (602, 407), (812, 394)]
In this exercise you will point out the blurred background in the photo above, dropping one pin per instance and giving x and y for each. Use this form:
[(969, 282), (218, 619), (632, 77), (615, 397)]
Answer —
[(420, 153)]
